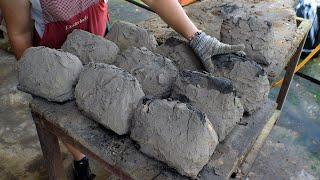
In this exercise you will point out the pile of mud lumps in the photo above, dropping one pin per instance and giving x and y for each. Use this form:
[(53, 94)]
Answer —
[(267, 28), (248, 78), (159, 95)]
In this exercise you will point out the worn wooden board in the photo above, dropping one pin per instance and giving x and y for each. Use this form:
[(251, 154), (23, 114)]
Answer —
[(122, 154)]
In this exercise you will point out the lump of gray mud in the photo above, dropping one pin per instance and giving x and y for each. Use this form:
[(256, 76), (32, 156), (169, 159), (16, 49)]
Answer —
[(175, 133), (214, 96), (181, 54), (267, 29), (249, 79), (49, 73), (108, 95), (155, 72), (90, 48), (126, 35)]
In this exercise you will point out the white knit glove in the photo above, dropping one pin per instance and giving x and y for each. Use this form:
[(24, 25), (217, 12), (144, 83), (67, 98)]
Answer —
[(206, 46)]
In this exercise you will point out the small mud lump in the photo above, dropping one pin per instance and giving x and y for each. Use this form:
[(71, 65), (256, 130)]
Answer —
[(126, 35), (214, 96), (90, 48), (175, 133), (249, 79), (49, 73), (181, 54), (155, 72), (108, 95)]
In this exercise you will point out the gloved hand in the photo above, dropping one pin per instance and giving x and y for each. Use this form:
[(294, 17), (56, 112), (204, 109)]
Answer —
[(206, 46)]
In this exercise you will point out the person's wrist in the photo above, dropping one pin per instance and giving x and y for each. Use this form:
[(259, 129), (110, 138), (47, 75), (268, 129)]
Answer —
[(197, 42), (197, 33)]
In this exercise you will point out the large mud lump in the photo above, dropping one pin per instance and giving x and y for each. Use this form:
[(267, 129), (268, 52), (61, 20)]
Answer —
[(214, 96), (108, 95), (155, 72), (267, 29), (49, 73), (181, 54), (126, 35), (175, 133), (90, 48), (249, 79)]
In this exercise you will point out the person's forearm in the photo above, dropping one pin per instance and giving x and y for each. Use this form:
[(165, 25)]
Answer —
[(173, 14), (19, 25)]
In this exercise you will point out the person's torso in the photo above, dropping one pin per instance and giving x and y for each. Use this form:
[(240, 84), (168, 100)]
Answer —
[(55, 19)]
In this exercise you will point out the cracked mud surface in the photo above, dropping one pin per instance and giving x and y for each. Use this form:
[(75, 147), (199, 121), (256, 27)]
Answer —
[(155, 73), (109, 95), (248, 78), (214, 96), (175, 133)]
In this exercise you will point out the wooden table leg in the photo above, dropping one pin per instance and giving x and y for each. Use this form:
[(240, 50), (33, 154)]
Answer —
[(51, 152), (289, 75)]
